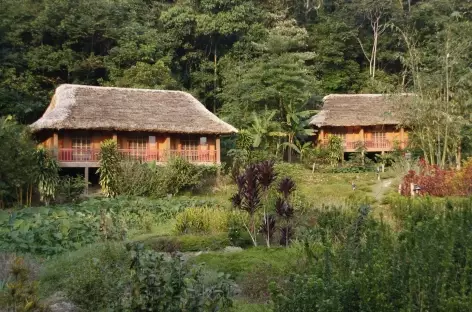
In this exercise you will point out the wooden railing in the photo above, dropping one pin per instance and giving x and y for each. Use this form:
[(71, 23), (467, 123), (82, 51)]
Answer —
[(382, 145), (76, 154), (92, 155)]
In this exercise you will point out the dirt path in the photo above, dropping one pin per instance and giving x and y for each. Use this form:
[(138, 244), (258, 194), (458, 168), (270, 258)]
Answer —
[(380, 188)]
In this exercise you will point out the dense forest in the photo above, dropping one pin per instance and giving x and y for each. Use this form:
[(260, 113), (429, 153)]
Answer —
[(260, 65), (236, 56)]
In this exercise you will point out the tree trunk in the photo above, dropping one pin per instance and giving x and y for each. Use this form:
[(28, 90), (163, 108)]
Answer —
[(289, 156), (459, 157)]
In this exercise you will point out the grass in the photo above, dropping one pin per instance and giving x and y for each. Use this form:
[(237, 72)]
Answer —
[(328, 188), (185, 243), (239, 264), (243, 306)]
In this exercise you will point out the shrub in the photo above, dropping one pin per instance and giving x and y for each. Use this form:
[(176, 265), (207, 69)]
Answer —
[(439, 182), (70, 189), (20, 293), (187, 243), (17, 163), (201, 220), (47, 175), (181, 175), (110, 277), (160, 285), (136, 179), (424, 265), (92, 277), (109, 169)]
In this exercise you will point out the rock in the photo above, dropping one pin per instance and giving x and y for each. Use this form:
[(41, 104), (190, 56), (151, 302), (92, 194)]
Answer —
[(232, 249), (59, 303)]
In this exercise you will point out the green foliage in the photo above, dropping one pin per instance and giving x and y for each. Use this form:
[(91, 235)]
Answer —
[(240, 265), (70, 189), (180, 175), (335, 150), (157, 284), (92, 277), (205, 220), (17, 161), (149, 179), (355, 262), (20, 293), (109, 168), (188, 243), (108, 276), (137, 179), (48, 175), (56, 229)]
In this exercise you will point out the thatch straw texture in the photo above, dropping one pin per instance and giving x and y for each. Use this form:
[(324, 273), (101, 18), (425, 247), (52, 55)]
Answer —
[(124, 109), (342, 110)]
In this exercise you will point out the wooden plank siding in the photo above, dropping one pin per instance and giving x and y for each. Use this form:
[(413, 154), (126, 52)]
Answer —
[(375, 138), (164, 146)]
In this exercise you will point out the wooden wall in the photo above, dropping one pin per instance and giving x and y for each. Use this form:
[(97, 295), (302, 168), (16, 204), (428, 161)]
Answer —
[(163, 141), (353, 134)]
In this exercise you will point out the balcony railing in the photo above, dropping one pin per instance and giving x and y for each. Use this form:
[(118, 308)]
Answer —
[(381, 145), (92, 155)]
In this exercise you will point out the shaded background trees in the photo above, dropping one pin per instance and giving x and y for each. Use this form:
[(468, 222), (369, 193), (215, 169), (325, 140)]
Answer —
[(236, 56)]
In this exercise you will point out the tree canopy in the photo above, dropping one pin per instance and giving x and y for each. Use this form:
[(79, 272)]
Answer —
[(238, 56)]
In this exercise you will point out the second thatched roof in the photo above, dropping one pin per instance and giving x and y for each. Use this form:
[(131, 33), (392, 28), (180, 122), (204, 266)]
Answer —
[(343, 110), (125, 109)]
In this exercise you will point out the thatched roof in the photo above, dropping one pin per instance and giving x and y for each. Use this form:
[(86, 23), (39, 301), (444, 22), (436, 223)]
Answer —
[(341, 110), (123, 109)]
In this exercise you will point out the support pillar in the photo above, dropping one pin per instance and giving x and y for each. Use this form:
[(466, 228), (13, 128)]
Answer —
[(321, 136), (55, 143), (361, 135), (361, 139), (167, 148), (115, 137), (218, 150), (86, 178), (402, 138)]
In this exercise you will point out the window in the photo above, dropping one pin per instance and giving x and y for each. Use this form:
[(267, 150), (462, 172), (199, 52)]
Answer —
[(378, 136), (190, 145), (138, 146), (81, 143), (81, 148), (203, 141), (340, 135)]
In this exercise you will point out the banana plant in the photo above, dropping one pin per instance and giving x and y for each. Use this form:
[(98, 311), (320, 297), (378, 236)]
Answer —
[(296, 125), (263, 128)]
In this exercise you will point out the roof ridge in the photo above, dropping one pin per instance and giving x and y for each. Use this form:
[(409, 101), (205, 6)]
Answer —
[(333, 95), (119, 88)]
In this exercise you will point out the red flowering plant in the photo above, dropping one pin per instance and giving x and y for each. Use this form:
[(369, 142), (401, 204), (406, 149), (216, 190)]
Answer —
[(430, 179), (462, 180)]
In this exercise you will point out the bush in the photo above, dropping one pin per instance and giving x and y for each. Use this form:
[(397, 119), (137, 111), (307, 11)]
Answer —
[(109, 277), (173, 285), (134, 178), (20, 292), (70, 189), (435, 181), (204, 220), (423, 266), (91, 277), (188, 243)]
